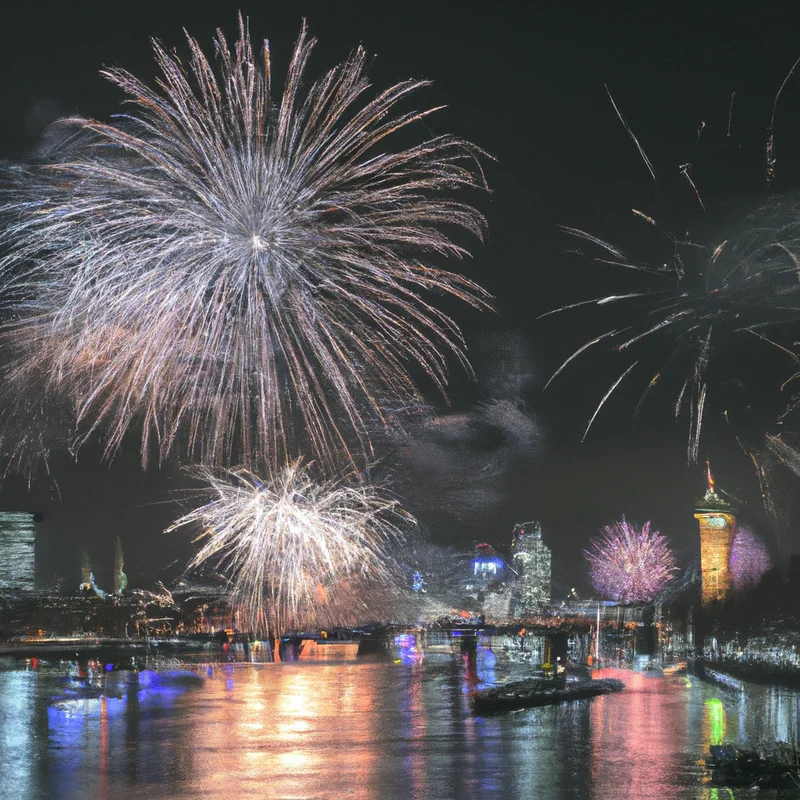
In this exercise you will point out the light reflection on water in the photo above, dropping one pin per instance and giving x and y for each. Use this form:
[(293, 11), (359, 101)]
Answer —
[(362, 729)]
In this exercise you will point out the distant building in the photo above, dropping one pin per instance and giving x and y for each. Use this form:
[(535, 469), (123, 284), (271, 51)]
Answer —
[(717, 520), (533, 567), (498, 605), (17, 536), (610, 610)]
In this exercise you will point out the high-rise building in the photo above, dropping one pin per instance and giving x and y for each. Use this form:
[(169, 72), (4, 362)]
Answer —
[(17, 536), (533, 567), (717, 520)]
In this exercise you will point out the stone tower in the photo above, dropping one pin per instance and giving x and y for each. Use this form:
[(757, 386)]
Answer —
[(716, 519)]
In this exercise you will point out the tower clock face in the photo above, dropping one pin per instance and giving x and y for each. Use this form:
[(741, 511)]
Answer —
[(717, 522)]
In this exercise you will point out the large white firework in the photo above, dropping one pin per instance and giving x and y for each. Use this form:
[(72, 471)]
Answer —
[(228, 268), (297, 552)]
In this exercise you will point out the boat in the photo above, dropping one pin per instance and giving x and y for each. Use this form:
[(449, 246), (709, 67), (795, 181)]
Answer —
[(535, 692)]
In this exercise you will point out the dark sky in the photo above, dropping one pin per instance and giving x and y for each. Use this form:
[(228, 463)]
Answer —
[(526, 83)]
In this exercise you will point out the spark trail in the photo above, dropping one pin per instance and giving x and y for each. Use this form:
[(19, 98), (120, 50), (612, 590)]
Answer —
[(702, 302)]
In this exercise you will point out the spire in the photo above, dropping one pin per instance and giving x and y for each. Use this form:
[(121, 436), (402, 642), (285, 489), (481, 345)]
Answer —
[(711, 501), (709, 478)]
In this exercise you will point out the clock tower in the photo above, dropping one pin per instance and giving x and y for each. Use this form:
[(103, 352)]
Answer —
[(716, 518)]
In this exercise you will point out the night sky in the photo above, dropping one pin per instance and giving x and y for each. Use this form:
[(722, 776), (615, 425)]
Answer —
[(527, 85)]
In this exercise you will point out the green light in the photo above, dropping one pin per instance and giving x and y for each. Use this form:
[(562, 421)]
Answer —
[(715, 795), (716, 720)]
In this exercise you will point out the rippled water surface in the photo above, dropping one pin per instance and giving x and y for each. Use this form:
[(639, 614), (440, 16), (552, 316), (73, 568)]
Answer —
[(360, 729)]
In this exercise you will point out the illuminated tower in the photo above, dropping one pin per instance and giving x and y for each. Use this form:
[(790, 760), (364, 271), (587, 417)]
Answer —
[(532, 563), (716, 519)]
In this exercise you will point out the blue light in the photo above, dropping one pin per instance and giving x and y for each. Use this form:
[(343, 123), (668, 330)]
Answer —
[(487, 565)]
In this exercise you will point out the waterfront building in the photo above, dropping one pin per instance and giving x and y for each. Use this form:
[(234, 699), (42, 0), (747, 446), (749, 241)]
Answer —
[(532, 564), (609, 610), (17, 537), (716, 518)]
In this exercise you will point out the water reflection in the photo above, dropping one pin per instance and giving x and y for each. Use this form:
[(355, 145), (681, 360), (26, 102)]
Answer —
[(95, 726), (17, 732), (713, 722), (361, 729), (641, 743)]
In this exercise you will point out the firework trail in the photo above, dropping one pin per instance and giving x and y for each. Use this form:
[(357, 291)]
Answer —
[(232, 270), (788, 454), (31, 427), (297, 552), (698, 303), (698, 294), (776, 460), (630, 565)]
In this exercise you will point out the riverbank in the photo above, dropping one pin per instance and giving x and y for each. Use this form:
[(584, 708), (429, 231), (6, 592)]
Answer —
[(86, 645), (754, 672), (213, 647), (768, 766)]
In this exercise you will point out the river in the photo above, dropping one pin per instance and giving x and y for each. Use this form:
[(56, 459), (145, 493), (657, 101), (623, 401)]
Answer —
[(393, 727)]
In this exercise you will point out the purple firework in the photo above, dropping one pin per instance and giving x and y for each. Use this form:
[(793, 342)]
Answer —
[(749, 559), (630, 565)]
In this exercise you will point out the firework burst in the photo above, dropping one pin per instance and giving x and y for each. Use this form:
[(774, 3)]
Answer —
[(700, 302), (226, 268), (749, 560), (700, 294), (297, 553), (630, 565)]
